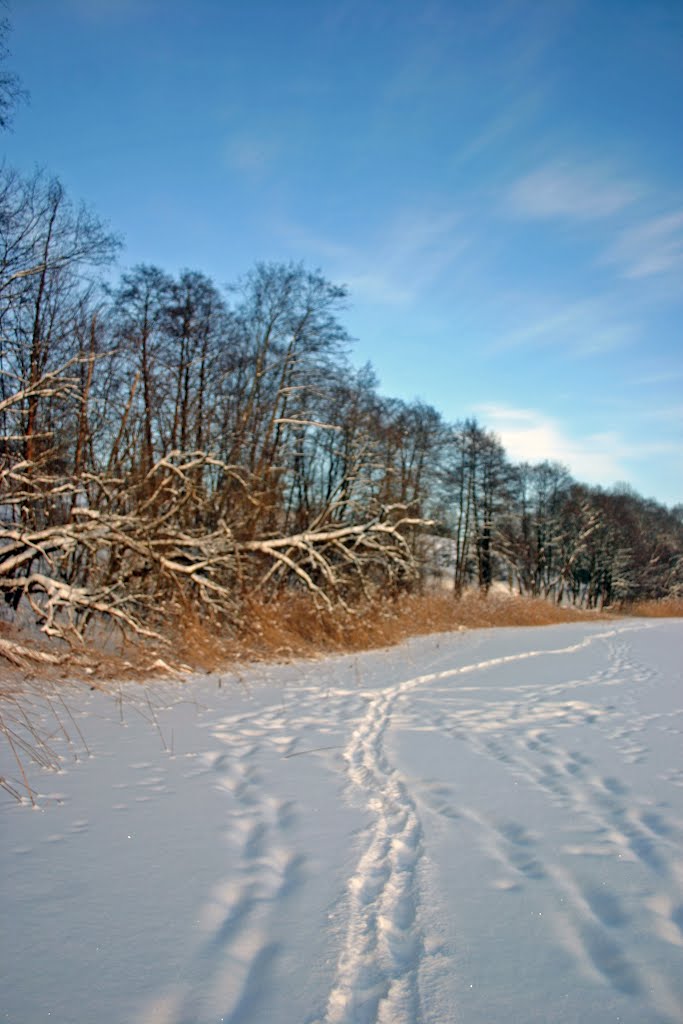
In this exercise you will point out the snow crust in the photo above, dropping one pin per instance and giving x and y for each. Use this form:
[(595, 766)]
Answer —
[(476, 827)]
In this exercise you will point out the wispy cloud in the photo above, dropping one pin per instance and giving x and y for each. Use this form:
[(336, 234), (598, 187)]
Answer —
[(501, 127), (668, 373), (669, 415), (400, 263), (532, 436), (564, 190), (652, 247), (587, 327)]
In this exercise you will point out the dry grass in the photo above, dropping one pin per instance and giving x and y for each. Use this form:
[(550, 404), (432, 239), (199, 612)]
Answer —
[(670, 607), (292, 626), (30, 740), (289, 627)]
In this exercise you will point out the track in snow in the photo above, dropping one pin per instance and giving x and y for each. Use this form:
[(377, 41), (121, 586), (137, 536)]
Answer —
[(493, 836)]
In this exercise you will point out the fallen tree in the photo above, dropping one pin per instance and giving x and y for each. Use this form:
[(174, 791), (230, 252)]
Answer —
[(139, 553)]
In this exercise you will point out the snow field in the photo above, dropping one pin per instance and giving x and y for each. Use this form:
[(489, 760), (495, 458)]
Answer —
[(471, 828)]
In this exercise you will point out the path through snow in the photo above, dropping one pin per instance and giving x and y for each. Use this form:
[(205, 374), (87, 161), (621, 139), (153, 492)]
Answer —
[(474, 828)]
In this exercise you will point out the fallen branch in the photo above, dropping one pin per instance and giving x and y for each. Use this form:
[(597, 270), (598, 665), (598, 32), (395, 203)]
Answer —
[(131, 551), (20, 655)]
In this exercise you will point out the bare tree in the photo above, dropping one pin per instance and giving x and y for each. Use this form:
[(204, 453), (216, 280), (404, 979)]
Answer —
[(11, 90), (139, 309), (50, 253), (475, 478)]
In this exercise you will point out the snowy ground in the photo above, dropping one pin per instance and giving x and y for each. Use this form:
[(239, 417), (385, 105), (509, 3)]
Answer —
[(477, 828)]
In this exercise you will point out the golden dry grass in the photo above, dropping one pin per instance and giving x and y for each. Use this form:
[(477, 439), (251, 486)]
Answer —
[(670, 607), (293, 626), (289, 627)]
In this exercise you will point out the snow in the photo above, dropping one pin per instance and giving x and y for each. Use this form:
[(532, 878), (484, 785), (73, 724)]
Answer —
[(476, 827)]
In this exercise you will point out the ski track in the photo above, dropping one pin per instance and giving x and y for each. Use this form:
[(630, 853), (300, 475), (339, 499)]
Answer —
[(386, 937), (239, 946), (377, 978), (377, 972), (614, 821)]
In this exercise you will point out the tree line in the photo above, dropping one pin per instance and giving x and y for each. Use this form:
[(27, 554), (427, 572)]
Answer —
[(167, 443)]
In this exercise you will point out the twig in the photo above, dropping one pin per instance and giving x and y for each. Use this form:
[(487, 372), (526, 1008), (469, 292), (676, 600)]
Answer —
[(10, 789), (8, 734), (75, 724), (314, 750), (154, 719), (61, 726)]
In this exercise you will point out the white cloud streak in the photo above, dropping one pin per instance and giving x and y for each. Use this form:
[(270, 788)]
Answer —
[(588, 327), (532, 436), (401, 263), (561, 190), (652, 247)]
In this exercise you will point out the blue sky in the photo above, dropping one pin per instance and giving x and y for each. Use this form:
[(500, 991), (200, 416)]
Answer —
[(500, 185)]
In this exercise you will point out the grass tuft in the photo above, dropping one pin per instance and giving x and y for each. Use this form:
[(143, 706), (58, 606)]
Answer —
[(668, 607)]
